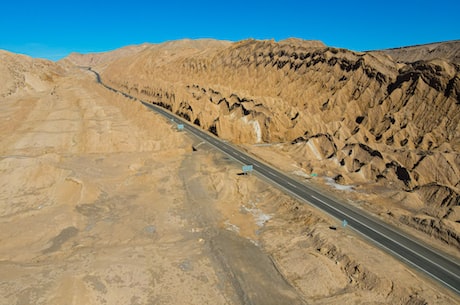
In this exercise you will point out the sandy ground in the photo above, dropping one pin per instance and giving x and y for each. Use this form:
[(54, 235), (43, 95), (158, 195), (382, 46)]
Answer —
[(104, 202)]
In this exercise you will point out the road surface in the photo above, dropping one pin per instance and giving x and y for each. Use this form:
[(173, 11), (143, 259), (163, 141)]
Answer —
[(408, 249)]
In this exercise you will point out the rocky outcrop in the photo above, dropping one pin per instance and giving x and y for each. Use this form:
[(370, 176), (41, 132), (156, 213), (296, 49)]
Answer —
[(434, 227)]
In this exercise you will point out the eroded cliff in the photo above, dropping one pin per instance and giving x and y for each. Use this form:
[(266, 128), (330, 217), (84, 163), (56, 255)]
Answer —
[(364, 117)]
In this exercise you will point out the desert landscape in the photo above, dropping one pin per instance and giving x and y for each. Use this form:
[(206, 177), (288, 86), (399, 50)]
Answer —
[(103, 201)]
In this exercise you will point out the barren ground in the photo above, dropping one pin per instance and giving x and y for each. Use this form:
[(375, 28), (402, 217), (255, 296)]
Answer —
[(103, 202)]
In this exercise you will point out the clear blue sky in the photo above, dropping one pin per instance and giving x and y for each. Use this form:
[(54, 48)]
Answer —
[(53, 29)]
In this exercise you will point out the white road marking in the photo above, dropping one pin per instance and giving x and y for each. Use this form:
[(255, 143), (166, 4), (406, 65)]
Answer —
[(292, 184)]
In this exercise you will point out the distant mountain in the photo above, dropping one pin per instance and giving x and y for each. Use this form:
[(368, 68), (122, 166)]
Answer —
[(448, 51), (98, 59), (92, 59)]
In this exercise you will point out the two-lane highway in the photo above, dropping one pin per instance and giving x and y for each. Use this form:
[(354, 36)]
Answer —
[(432, 262)]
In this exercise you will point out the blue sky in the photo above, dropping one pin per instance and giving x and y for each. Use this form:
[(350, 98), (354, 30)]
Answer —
[(53, 29)]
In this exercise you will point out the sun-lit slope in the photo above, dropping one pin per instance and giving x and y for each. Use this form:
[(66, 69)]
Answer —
[(103, 58), (23, 73), (362, 116)]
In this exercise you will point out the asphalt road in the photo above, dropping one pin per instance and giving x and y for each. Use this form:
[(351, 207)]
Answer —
[(432, 262)]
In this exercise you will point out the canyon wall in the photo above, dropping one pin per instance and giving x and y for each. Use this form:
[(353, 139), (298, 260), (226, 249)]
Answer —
[(365, 116)]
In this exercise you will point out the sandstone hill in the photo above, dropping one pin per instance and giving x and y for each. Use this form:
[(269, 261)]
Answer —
[(20, 72), (363, 118)]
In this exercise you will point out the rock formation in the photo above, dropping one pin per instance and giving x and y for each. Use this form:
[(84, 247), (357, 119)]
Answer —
[(366, 116)]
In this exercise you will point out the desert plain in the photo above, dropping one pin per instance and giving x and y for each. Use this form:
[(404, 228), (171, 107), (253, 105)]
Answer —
[(103, 201)]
